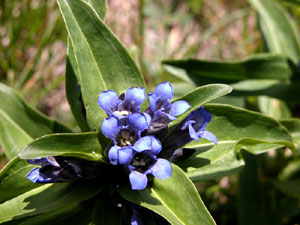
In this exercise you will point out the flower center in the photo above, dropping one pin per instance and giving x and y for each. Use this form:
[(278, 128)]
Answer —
[(142, 161), (121, 113), (126, 138)]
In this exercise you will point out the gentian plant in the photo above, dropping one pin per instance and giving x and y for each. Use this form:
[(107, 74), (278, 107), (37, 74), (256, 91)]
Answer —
[(137, 155)]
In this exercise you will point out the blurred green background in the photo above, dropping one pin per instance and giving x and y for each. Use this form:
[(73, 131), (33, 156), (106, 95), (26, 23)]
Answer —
[(32, 60)]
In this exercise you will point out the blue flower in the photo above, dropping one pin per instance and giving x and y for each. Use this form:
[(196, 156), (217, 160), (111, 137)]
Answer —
[(192, 128), (61, 169), (161, 109), (196, 123), (124, 105), (130, 128), (145, 162)]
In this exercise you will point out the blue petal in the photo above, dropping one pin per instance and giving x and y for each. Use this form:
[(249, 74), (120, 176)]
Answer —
[(148, 118), (52, 161), (138, 180), (152, 101), (113, 155), (162, 169), (156, 146), (125, 156), (138, 122), (108, 101), (135, 95), (164, 90), (179, 107), (110, 127), (149, 143), (35, 177), (38, 161), (193, 133), (209, 136)]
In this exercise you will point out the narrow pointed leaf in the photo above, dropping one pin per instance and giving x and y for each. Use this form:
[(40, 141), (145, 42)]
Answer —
[(81, 145), (73, 88), (175, 198), (278, 28), (258, 67), (235, 129), (103, 62)]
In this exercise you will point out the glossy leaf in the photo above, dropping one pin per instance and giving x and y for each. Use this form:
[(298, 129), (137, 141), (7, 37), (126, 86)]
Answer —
[(47, 198), (202, 95), (278, 28), (235, 129), (73, 88), (262, 67), (175, 198), (81, 145), (103, 62)]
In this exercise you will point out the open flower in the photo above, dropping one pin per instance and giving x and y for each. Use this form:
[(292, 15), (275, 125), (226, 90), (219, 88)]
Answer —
[(145, 162), (161, 109), (124, 105)]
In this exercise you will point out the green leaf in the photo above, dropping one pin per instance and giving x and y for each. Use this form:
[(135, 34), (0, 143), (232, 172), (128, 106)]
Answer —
[(31, 121), (200, 96), (72, 74), (261, 66), (278, 28), (255, 204), (286, 92), (12, 137), (175, 198), (81, 145), (13, 181), (100, 7), (235, 129), (19, 123), (103, 62), (50, 218), (296, 2), (47, 198), (293, 126)]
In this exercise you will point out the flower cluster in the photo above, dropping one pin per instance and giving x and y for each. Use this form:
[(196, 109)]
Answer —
[(137, 135), (141, 145)]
